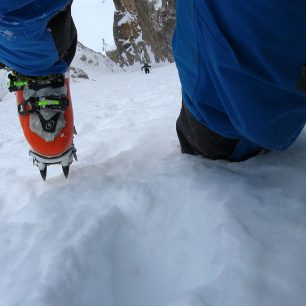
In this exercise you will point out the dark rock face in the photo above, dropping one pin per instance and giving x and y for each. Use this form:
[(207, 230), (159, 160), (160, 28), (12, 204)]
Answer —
[(143, 31), (78, 73)]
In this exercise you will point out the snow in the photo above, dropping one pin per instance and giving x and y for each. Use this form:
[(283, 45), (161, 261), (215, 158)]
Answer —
[(157, 4), (3, 82), (6, 34), (137, 223), (127, 18)]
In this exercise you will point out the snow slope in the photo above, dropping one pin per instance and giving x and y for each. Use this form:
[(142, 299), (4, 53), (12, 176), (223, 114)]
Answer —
[(139, 224), (93, 63)]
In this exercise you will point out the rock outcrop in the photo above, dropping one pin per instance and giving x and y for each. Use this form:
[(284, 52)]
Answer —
[(143, 31), (88, 63)]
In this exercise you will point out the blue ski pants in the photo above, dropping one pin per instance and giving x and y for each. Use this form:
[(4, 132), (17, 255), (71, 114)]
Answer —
[(239, 64)]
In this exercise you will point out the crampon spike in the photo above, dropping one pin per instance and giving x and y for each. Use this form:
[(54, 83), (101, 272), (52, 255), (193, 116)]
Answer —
[(43, 173), (43, 162), (66, 171), (75, 155)]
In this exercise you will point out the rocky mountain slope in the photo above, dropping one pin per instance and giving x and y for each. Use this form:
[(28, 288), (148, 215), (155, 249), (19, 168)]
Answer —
[(143, 31), (87, 61)]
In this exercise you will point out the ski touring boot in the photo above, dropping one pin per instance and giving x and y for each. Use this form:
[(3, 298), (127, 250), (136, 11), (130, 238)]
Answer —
[(46, 117)]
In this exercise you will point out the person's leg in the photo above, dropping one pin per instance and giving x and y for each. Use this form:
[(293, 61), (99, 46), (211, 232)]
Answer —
[(38, 42), (239, 62), (64, 34), (37, 38), (196, 139)]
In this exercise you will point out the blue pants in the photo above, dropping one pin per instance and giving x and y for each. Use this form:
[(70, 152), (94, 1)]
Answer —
[(31, 41), (239, 62)]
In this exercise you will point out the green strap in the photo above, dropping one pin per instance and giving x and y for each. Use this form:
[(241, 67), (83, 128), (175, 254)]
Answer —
[(19, 83), (48, 102)]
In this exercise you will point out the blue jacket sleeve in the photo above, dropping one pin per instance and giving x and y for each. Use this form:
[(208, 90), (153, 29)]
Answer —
[(26, 44)]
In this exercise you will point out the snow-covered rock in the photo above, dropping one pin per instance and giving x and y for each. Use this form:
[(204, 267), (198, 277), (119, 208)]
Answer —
[(88, 62), (143, 31)]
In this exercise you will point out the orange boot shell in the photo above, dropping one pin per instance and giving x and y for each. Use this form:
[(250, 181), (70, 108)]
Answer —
[(62, 142)]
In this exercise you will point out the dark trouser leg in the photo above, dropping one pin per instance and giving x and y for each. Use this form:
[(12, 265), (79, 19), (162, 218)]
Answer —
[(196, 139), (64, 34), (186, 139)]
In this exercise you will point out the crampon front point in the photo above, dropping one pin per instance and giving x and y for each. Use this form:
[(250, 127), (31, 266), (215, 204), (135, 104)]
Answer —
[(46, 117), (64, 160)]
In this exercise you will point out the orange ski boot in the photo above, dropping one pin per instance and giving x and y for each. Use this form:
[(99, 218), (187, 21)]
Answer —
[(46, 117)]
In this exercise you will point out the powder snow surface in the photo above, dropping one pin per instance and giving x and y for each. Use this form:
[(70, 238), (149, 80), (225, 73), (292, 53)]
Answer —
[(139, 224)]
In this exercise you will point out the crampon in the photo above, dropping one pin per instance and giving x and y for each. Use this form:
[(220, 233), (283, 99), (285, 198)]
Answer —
[(46, 117)]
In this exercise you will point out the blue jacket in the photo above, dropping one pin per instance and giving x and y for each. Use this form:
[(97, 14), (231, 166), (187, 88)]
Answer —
[(239, 62), (26, 45)]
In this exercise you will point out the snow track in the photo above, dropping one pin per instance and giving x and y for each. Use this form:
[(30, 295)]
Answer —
[(137, 223)]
